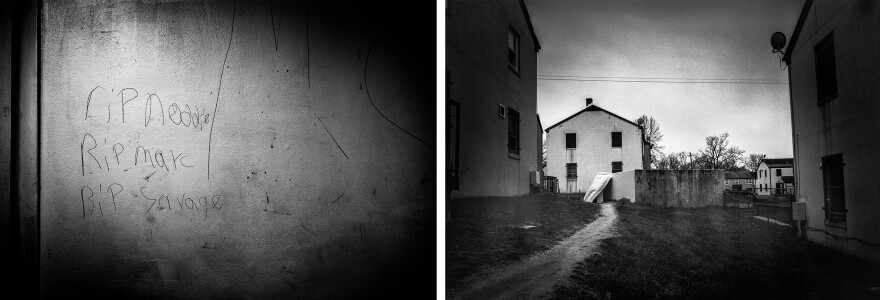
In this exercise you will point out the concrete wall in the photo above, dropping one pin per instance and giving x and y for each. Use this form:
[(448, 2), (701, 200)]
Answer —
[(668, 188), (238, 149), (480, 80), (846, 125), (593, 153)]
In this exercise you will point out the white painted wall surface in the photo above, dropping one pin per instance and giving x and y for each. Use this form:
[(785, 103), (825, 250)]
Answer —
[(594, 152)]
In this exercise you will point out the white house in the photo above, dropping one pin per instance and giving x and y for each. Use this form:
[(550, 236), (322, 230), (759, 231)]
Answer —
[(833, 57), (590, 141), (770, 176)]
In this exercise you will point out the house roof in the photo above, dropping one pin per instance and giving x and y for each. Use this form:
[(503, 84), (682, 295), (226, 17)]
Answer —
[(525, 10), (788, 179), (779, 162), (740, 175), (539, 122), (797, 31), (592, 107)]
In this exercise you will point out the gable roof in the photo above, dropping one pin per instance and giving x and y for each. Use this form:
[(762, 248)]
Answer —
[(778, 162), (539, 122), (593, 107), (740, 175), (525, 10), (797, 31)]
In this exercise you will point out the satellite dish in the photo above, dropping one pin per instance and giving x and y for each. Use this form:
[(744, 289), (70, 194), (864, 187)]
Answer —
[(640, 121), (777, 41)]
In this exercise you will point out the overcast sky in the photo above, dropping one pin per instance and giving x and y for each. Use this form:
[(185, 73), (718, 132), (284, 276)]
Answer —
[(692, 40)]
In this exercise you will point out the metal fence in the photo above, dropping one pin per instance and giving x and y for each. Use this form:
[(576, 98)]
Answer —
[(550, 184), (773, 191), (772, 211)]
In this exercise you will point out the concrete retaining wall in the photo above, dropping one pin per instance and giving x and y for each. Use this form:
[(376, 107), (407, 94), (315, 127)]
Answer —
[(668, 188)]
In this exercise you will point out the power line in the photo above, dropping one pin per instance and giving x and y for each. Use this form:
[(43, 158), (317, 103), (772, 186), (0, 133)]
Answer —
[(670, 78), (661, 79)]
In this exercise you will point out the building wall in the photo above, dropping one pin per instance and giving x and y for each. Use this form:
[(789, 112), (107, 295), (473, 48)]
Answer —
[(593, 153), (847, 124), (769, 181), (668, 188), (310, 165), (480, 80)]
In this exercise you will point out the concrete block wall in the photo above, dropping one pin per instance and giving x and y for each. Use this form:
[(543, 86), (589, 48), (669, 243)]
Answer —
[(668, 188)]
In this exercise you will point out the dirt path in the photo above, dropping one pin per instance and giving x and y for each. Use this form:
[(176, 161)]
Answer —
[(535, 276)]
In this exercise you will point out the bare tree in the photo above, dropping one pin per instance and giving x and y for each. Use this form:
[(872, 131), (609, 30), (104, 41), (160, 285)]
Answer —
[(718, 154), (670, 161), (652, 137), (753, 161)]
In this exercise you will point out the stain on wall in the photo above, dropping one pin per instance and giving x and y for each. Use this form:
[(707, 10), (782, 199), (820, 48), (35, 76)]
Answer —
[(238, 149)]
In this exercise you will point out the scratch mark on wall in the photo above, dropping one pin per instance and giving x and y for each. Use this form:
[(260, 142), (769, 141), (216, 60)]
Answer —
[(340, 195), (276, 33), (308, 47), (217, 101), (331, 135), (367, 88), (147, 178), (307, 229)]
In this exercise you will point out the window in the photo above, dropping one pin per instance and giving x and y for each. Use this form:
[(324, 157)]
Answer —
[(452, 143), (736, 181), (616, 166), (826, 69), (571, 170), (832, 175), (570, 140), (616, 139), (512, 131), (778, 172), (513, 49), (726, 182)]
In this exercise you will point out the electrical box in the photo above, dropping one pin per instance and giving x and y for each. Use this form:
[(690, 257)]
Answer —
[(799, 211), (535, 177)]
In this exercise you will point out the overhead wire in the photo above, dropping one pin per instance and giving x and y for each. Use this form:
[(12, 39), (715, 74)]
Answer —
[(660, 79)]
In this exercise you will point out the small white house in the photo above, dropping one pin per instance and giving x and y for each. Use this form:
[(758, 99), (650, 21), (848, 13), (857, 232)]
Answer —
[(771, 175), (590, 141)]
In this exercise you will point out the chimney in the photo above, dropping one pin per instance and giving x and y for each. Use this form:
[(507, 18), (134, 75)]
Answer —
[(589, 101)]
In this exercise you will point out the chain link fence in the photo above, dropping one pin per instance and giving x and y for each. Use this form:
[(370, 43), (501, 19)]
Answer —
[(772, 211)]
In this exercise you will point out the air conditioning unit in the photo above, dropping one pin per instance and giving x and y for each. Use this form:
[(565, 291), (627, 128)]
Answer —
[(502, 111)]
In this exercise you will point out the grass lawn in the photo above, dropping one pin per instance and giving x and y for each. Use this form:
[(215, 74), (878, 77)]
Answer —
[(707, 253), (494, 231)]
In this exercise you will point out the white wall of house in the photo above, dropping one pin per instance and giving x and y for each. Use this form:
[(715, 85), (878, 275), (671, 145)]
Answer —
[(593, 153), (768, 178), (845, 124)]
